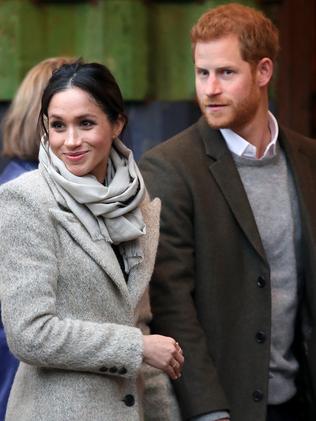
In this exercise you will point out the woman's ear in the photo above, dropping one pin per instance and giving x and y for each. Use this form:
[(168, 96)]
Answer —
[(264, 71), (118, 126)]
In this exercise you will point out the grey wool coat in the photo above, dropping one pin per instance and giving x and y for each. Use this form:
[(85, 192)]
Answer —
[(71, 318)]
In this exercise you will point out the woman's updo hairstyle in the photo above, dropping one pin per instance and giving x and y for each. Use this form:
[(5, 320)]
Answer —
[(93, 78)]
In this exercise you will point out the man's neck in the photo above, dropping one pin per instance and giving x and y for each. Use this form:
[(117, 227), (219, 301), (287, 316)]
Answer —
[(257, 132)]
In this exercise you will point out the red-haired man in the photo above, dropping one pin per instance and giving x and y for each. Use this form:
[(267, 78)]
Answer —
[(236, 268)]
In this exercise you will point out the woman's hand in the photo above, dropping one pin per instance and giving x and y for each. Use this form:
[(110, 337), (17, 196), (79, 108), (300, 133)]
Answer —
[(164, 353)]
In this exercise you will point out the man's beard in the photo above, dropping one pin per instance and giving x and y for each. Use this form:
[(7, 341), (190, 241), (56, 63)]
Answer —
[(232, 116)]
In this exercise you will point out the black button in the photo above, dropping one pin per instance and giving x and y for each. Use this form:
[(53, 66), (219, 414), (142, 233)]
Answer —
[(260, 337), (122, 370), (261, 282), (257, 395), (129, 400), (113, 370), (103, 369)]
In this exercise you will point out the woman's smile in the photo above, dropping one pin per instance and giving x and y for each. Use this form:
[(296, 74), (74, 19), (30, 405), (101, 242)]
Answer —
[(75, 156), (80, 133)]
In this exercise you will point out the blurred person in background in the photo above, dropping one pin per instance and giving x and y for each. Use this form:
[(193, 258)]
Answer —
[(19, 125), (21, 145)]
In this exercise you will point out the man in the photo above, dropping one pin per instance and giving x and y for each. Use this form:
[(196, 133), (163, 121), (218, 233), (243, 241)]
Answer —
[(236, 268)]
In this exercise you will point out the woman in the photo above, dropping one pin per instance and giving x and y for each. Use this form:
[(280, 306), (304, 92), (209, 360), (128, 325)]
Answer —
[(21, 144), (78, 244)]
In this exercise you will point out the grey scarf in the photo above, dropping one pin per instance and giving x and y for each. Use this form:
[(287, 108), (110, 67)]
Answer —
[(108, 212)]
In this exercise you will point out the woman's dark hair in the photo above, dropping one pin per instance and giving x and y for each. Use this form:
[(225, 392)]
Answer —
[(93, 78)]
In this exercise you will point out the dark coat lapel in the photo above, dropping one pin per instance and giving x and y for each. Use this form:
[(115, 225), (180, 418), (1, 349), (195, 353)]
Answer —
[(301, 156), (224, 171)]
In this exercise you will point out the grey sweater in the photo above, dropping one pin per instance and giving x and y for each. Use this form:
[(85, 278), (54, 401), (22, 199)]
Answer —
[(272, 197)]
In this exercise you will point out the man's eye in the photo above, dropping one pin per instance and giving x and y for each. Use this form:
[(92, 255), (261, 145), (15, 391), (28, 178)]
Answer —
[(227, 72), (202, 72)]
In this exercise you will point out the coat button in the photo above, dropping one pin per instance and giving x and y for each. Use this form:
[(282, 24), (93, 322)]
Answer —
[(129, 400), (261, 282), (257, 395), (122, 370), (103, 369), (113, 370), (260, 337)]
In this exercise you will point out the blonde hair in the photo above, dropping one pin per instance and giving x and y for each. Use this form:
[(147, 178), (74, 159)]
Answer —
[(258, 37), (19, 127)]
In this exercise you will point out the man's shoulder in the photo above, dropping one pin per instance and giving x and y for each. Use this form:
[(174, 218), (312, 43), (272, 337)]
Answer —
[(181, 144), (297, 138)]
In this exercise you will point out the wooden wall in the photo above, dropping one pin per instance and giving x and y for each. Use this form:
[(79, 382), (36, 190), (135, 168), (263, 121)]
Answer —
[(296, 72)]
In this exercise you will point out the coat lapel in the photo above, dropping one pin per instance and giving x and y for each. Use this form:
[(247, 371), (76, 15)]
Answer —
[(224, 171), (301, 156), (100, 251), (140, 274)]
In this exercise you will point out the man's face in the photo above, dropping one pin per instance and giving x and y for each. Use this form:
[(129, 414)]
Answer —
[(226, 86)]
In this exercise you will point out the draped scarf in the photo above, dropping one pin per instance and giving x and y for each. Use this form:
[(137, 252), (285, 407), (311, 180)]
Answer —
[(108, 211)]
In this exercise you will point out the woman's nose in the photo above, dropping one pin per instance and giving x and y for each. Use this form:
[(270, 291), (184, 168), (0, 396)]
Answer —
[(72, 138)]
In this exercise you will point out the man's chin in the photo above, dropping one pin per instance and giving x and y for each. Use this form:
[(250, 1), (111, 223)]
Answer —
[(216, 124)]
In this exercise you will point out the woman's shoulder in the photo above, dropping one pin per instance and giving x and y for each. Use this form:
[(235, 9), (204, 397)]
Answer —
[(30, 186), (150, 209), (25, 203), (149, 203)]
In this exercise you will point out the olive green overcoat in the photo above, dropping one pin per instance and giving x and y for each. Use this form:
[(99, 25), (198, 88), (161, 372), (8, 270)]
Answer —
[(211, 286)]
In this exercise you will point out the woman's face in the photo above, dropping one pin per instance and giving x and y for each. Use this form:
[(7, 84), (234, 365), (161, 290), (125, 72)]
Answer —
[(80, 133)]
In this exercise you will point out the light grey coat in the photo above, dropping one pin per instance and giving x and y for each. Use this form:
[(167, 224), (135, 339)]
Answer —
[(71, 318)]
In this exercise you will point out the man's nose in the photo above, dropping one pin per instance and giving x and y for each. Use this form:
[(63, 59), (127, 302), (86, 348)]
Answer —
[(213, 86)]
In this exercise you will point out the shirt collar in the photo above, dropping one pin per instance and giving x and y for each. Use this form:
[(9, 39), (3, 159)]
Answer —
[(240, 147)]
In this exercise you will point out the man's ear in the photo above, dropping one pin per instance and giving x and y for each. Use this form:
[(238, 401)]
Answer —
[(264, 71)]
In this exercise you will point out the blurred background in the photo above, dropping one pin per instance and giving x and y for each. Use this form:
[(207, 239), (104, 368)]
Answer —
[(146, 45)]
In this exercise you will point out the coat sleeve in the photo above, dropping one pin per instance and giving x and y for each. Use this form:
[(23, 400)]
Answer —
[(173, 285), (28, 288), (159, 400)]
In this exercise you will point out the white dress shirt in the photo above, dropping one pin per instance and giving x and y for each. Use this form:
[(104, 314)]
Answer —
[(240, 147)]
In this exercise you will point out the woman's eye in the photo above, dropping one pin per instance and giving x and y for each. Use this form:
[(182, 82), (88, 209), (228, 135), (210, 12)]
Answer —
[(87, 123), (57, 125)]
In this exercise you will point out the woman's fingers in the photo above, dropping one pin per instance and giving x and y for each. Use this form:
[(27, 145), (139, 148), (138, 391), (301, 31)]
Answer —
[(178, 347), (164, 353), (174, 370), (176, 362), (178, 356)]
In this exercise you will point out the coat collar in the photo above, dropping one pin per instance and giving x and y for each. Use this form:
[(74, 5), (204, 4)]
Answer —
[(225, 172), (102, 253), (140, 275), (301, 155)]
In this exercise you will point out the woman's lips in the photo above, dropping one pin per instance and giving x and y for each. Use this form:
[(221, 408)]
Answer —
[(75, 156)]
